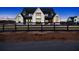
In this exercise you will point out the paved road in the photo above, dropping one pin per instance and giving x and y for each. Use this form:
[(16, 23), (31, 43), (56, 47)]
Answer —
[(40, 46)]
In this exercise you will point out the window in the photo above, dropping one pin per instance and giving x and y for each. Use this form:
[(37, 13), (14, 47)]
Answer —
[(46, 14), (28, 20), (38, 19), (30, 14), (38, 14)]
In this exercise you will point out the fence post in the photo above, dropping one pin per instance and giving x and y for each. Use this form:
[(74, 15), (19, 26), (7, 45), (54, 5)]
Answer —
[(3, 26), (67, 26), (41, 27), (54, 26), (15, 26), (28, 26)]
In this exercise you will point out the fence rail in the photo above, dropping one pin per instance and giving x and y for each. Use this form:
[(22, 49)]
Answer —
[(39, 27)]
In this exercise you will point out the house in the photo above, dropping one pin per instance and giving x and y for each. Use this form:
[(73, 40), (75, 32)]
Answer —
[(37, 15), (76, 19), (19, 19), (56, 19), (73, 20)]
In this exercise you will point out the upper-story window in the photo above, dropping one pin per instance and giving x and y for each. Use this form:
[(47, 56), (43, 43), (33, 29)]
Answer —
[(38, 14), (52, 14), (30, 14), (46, 14)]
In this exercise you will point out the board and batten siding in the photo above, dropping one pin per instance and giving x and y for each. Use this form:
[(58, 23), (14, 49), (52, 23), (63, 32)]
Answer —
[(19, 18), (38, 10), (56, 18)]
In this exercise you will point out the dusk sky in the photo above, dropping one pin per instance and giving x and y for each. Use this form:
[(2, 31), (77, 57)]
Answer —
[(63, 12)]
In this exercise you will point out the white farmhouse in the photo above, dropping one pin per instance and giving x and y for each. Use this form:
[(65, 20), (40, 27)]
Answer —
[(74, 19), (37, 15)]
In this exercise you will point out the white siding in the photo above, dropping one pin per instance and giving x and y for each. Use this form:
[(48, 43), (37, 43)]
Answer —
[(56, 18), (38, 10), (77, 19), (19, 18)]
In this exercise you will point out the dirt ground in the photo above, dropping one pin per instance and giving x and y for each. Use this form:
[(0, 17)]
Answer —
[(39, 36)]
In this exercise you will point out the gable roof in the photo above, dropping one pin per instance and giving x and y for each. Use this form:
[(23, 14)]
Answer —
[(73, 17), (48, 10), (28, 10), (45, 10)]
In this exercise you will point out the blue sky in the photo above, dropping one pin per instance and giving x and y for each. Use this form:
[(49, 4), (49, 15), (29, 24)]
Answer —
[(63, 12), (10, 11)]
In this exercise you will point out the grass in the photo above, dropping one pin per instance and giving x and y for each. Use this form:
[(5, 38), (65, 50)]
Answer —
[(12, 27), (21, 27), (74, 28)]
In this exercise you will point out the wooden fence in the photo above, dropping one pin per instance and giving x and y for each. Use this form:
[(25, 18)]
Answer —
[(39, 27)]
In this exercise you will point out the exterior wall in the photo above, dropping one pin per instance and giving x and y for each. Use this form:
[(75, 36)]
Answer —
[(56, 18), (76, 19), (38, 10), (19, 18)]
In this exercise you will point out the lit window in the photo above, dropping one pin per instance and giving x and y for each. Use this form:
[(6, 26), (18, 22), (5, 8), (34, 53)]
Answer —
[(46, 14), (38, 19), (38, 14), (30, 14)]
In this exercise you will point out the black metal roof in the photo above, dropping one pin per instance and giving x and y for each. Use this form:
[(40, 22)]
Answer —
[(73, 17), (45, 10), (48, 10), (28, 10)]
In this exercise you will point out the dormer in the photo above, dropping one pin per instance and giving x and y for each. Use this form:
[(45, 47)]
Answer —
[(46, 15), (30, 15)]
